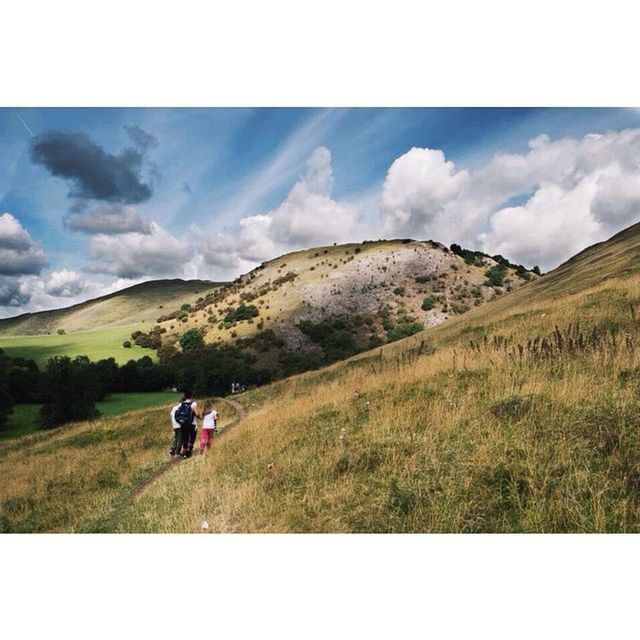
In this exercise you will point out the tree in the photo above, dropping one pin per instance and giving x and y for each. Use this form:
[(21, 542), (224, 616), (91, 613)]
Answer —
[(191, 340), (536, 270), (71, 389), (24, 379), (6, 401), (107, 371)]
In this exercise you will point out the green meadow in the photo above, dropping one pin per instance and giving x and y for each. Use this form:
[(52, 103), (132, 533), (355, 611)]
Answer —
[(99, 344), (24, 418)]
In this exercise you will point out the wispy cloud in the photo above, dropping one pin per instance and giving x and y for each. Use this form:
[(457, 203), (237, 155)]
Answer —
[(281, 168)]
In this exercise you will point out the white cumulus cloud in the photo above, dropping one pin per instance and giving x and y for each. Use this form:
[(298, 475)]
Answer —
[(136, 255), (572, 192), (418, 187)]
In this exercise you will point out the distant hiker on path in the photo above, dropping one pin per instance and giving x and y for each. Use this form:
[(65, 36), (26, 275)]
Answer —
[(185, 415), (209, 425)]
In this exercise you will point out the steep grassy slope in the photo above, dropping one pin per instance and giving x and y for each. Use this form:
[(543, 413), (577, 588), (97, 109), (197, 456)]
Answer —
[(525, 417), (137, 305), (521, 415)]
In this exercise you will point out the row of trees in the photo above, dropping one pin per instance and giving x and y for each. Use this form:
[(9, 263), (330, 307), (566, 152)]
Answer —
[(68, 388)]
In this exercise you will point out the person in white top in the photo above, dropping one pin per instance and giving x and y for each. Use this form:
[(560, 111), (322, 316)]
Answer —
[(176, 430), (209, 424)]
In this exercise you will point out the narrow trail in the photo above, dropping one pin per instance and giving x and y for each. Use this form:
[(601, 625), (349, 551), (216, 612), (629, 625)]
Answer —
[(105, 523), (141, 486)]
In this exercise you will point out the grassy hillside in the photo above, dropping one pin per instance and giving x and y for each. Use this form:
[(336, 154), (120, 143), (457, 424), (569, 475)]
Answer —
[(521, 415), (312, 307), (137, 305), (97, 328), (78, 477), (98, 344)]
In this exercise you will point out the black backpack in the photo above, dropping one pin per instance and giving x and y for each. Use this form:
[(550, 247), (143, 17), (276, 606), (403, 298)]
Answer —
[(184, 414)]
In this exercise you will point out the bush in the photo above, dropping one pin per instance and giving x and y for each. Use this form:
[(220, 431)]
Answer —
[(399, 291), (474, 258), (428, 303), (242, 312), (495, 275), (333, 338), (126, 344), (61, 332), (148, 341), (185, 307), (404, 330), (191, 340), (459, 308)]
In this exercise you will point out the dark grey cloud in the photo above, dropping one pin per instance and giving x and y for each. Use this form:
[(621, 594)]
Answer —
[(108, 220), (141, 138), (93, 173), (12, 294), (19, 263), (20, 254)]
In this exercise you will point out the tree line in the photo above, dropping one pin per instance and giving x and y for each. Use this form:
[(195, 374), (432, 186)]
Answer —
[(68, 388)]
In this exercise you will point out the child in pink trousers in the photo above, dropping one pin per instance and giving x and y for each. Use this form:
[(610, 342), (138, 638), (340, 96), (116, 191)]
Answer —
[(209, 421)]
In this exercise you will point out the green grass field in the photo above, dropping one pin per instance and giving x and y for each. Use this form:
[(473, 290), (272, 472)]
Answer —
[(104, 343), (23, 420)]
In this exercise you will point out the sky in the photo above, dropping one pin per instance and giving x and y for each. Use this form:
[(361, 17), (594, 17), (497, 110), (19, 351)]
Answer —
[(94, 200)]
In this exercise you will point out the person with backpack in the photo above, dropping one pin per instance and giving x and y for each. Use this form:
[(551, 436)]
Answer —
[(185, 416)]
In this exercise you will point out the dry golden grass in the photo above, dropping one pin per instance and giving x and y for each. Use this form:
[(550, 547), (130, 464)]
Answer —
[(73, 478)]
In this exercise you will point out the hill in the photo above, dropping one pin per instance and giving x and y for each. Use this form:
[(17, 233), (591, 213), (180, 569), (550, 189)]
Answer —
[(299, 311), (139, 304), (326, 303), (520, 415), (99, 327)]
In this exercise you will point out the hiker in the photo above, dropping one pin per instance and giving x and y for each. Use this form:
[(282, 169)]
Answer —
[(185, 415), (175, 445), (209, 425)]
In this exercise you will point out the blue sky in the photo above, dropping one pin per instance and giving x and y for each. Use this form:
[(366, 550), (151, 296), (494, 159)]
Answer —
[(214, 174)]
